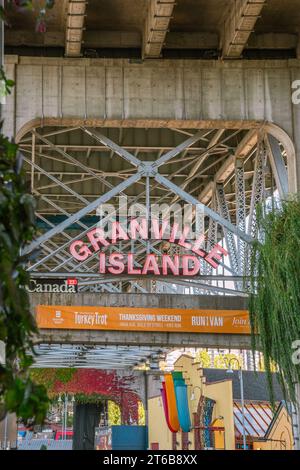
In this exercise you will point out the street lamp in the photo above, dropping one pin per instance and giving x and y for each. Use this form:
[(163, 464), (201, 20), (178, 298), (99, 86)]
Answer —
[(66, 415), (240, 375), (193, 392)]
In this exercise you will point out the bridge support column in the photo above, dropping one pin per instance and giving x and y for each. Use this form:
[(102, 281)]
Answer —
[(296, 418)]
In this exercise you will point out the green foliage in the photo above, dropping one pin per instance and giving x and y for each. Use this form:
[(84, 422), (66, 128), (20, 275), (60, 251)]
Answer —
[(64, 375), (275, 292), (5, 83), (17, 326), (91, 398), (222, 361), (114, 414), (18, 393), (49, 376), (141, 414), (203, 358)]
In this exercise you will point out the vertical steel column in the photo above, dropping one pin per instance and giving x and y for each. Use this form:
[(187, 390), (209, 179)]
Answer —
[(258, 192), (229, 237), (278, 165), (212, 236), (258, 187), (240, 210)]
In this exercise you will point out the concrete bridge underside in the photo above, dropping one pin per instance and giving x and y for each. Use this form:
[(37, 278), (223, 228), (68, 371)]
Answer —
[(184, 94)]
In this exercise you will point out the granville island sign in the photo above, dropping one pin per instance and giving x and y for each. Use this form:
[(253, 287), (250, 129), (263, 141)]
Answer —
[(118, 263)]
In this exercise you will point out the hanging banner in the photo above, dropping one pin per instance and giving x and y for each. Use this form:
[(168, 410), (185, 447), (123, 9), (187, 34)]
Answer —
[(143, 319)]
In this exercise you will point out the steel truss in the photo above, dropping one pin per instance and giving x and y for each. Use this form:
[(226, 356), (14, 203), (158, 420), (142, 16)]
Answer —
[(96, 357), (149, 174)]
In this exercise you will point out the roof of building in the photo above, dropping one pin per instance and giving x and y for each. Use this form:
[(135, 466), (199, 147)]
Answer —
[(255, 384)]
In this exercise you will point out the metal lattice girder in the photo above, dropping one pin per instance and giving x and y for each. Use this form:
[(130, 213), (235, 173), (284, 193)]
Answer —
[(229, 236), (142, 167), (240, 209), (113, 146), (258, 187), (212, 236), (56, 180), (135, 161), (207, 211), (257, 196), (210, 288), (85, 210), (177, 150), (75, 161), (202, 157), (278, 165), (98, 357)]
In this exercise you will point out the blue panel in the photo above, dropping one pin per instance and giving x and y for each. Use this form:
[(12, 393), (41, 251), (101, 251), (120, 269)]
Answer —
[(129, 437), (182, 404)]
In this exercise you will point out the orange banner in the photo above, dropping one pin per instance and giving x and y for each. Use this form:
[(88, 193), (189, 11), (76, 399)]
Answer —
[(143, 319)]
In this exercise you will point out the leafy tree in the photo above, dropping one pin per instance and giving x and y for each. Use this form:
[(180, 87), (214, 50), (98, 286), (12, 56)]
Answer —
[(203, 358), (275, 298), (18, 393), (17, 325), (114, 414), (275, 293), (141, 414), (222, 361)]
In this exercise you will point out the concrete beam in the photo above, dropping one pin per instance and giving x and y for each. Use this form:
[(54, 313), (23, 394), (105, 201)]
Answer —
[(239, 24), (31, 38), (140, 300), (74, 27), (273, 41), (156, 26), (112, 39), (145, 338), (191, 40), (133, 39)]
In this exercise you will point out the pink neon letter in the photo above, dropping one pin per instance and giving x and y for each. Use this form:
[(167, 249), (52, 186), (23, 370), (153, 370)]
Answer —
[(182, 241), (83, 253), (151, 265), (196, 248), (118, 232), (102, 263), (139, 227), (95, 236), (185, 265), (115, 260), (168, 264), (158, 232), (131, 269), (213, 256)]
